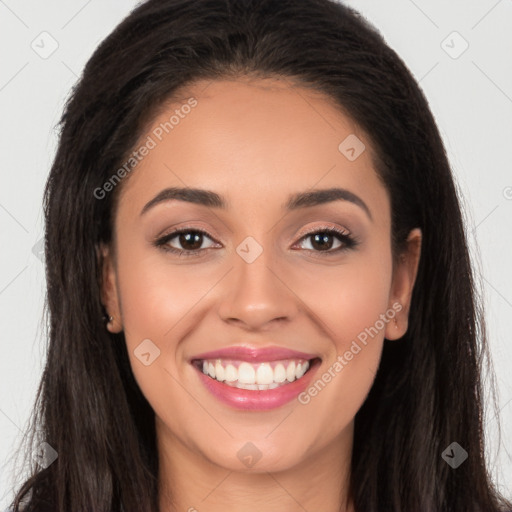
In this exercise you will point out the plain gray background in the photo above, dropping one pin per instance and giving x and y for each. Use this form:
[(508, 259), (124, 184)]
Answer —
[(460, 52)]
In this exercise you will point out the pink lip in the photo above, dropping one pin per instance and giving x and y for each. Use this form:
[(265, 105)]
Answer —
[(254, 355), (257, 400)]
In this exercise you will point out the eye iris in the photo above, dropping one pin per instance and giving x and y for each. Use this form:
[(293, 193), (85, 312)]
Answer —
[(194, 238), (320, 241)]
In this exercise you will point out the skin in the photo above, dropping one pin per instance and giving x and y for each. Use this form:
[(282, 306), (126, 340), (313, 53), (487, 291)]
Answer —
[(255, 142)]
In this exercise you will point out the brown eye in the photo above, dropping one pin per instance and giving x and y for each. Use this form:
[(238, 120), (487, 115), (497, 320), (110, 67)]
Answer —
[(322, 241), (184, 242), (328, 240), (191, 240)]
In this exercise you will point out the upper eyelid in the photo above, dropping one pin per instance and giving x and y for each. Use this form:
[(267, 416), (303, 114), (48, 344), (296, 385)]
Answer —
[(320, 229)]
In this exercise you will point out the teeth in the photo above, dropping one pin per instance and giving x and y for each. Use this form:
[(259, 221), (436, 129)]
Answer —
[(257, 376), (231, 373), (279, 373), (246, 374), (260, 387), (211, 370), (290, 372), (219, 372), (264, 375)]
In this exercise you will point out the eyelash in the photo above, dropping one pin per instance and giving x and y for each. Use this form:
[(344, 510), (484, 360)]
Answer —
[(349, 241)]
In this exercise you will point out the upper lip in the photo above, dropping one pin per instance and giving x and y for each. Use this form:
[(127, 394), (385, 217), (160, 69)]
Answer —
[(252, 354)]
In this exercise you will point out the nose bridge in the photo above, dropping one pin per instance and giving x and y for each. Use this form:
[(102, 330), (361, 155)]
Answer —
[(257, 293)]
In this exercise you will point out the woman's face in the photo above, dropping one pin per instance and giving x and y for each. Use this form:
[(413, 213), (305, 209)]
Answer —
[(264, 275)]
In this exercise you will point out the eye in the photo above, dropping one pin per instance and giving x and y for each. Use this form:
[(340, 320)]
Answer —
[(323, 240), (189, 241)]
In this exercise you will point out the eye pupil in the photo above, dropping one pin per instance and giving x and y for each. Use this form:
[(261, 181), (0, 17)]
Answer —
[(185, 238), (321, 241)]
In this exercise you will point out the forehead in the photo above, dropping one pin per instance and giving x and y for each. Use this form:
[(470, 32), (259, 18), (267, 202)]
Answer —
[(252, 137)]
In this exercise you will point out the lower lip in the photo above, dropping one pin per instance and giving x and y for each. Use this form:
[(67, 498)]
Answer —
[(258, 400)]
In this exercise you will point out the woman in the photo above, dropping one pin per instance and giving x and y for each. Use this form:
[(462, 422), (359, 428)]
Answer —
[(256, 198)]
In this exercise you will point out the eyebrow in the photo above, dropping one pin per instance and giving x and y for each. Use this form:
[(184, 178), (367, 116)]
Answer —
[(295, 201)]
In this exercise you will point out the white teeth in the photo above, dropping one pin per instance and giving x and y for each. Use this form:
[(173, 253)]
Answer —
[(219, 372), (290, 372), (252, 387), (301, 369), (231, 373), (279, 373), (246, 374), (264, 375), (211, 370), (255, 376)]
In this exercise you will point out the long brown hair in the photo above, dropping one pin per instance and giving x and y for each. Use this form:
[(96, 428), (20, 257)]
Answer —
[(427, 392)]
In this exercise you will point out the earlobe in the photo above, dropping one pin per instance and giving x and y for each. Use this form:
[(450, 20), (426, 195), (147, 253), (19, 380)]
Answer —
[(108, 289), (404, 278)]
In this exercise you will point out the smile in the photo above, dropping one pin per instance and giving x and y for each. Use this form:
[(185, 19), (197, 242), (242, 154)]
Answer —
[(254, 385)]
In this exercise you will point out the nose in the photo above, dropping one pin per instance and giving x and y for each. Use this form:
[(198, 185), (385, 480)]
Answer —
[(256, 295)]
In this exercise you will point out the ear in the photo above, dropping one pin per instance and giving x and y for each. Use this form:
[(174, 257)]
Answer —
[(404, 277), (108, 288)]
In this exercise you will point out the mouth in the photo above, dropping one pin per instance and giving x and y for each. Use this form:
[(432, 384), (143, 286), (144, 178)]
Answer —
[(256, 385)]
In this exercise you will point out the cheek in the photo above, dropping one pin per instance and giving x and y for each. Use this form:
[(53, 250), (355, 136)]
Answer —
[(155, 302), (156, 296), (160, 302), (361, 296), (350, 305), (348, 298)]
